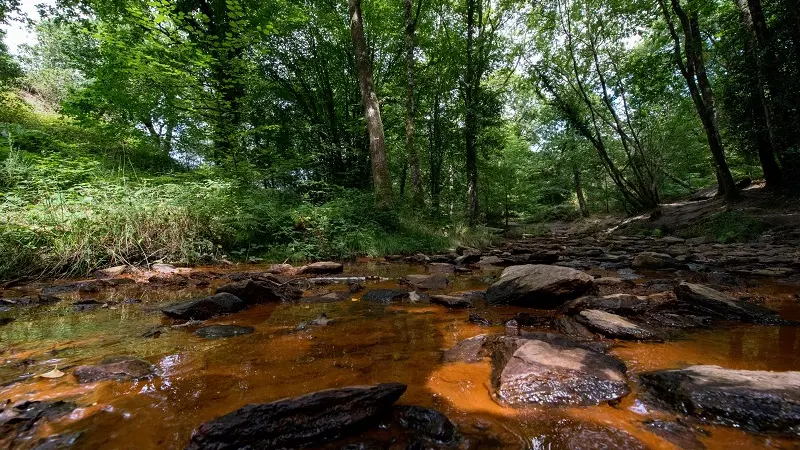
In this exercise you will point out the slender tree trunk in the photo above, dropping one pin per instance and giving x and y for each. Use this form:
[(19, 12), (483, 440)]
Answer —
[(417, 199), (471, 119), (436, 155), (372, 113), (694, 72), (579, 192), (766, 137)]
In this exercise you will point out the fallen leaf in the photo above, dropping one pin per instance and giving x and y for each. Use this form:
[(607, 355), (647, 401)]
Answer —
[(55, 373)]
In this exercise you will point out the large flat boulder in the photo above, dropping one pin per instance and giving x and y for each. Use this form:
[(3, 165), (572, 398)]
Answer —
[(205, 308), (709, 301), (614, 326), (320, 268), (299, 421), (555, 373), (538, 286), (251, 291), (655, 261), (754, 400)]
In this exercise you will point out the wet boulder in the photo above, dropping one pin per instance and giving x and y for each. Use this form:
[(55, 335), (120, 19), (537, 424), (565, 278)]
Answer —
[(250, 291), (18, 421), (205, 308), (222, 331), (320, 268), (451, 301), (468, 350), (114, 368), (554, 372), (538, 286), (655, 261), (758, 401), (627, 305), (675, 432), (299, 421), (705, 300), (425, 423), (571, 328), (385, 295), (614, 326)]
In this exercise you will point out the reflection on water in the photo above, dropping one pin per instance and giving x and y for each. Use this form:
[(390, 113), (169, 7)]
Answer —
[(200, 379)]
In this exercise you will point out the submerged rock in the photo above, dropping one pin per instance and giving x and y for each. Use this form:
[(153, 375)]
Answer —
[(709, 301), (322, 267), (555, 373), (677, 433), (427, 281), (538, 286), (114, 368), (468, 350), (590, 436), (250, 291), (385, 295), (614, 326), (205, 308), (58, 442), (17, 421), (299, 421), (754, 400), (451, 301), (222, 331)]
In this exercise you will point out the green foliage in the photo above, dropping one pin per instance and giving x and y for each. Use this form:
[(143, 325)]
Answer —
[(726, 227)]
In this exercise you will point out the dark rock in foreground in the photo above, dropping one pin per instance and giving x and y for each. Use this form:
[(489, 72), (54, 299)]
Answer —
[(758, 401), (114, 368), (538, 286), (250, 291), (205, 308), (299, 421), (222, 331), (556, 373), (385, 295), (426, 423)]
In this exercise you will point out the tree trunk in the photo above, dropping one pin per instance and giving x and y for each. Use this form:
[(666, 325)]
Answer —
[(471, 119), (372, 113), (579, 192), (436, 155), (777, 96), (417, 199), (765, 134), (694, 72)]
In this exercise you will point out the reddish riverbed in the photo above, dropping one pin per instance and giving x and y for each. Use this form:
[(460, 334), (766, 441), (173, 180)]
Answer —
[(201, 379)]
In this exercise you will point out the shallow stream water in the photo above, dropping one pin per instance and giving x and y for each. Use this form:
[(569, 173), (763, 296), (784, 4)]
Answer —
[(199, 379)]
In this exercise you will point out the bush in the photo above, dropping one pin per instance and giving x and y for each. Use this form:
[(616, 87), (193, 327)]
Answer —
[(727, 227)]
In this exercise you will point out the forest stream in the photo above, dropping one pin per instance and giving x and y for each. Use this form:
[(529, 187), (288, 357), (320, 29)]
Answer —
[(334, 334)]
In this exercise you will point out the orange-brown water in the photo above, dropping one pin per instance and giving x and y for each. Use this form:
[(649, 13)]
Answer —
[(201, 379)]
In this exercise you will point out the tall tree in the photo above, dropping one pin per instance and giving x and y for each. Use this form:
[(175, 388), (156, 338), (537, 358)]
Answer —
[(372, 112), (411, 20), (768, 139), (691, 64), (472, 87)]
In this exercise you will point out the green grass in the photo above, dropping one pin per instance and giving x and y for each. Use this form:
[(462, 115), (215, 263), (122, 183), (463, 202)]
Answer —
[(727, 227)]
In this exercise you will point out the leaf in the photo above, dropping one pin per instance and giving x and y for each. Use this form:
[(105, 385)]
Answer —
[(55, 373)]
